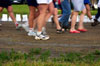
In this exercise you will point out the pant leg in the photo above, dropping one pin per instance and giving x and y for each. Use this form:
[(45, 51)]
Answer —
[(66, 12), (98, 14)]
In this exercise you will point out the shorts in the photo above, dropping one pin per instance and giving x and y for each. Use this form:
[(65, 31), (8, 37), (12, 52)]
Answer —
[(32, 3), (5, 3), (78, 5), (86, 1), (44, 1)]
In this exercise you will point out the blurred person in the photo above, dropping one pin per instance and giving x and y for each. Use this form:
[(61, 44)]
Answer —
[(66, 11), (43, 7), (77, 9), (7, 4), (96, 22)]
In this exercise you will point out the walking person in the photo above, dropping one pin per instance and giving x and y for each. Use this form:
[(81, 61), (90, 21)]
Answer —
[(7, 4), (96, 22), (78, 6), (43, 7), (66, 11)]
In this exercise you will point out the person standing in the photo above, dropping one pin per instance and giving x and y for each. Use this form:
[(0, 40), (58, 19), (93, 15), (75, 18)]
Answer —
[(66, 11), (7, 4), (78, 6)]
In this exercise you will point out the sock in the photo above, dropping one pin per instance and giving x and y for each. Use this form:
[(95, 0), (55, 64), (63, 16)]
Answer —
[(31, 29), (43, 29), (38, 33)]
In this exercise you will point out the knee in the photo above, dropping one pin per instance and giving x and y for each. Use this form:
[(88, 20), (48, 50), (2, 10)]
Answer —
[(84, 11)]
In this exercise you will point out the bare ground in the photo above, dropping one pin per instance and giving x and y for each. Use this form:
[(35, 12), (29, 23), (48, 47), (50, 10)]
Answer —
[(66, 42)]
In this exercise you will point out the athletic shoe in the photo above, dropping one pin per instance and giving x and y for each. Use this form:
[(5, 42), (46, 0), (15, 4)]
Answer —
[(95, 23), (18, 26), (41, 37), (31, 34)]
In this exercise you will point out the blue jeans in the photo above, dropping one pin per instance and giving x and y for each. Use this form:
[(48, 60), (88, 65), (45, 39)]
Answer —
[(98, 14), (66, 11)]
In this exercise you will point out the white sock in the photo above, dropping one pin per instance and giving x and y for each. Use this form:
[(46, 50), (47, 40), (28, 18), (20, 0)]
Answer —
[(31, 29), (43, 29), (38, 33)]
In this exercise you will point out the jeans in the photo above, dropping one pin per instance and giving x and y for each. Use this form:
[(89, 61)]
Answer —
[(66, 11), (98, 14)]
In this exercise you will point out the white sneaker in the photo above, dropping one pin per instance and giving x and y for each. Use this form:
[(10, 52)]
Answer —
[(31, 34), (41, 37)]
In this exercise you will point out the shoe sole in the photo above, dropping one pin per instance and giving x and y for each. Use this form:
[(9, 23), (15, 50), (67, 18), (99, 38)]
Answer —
[(36, 38)]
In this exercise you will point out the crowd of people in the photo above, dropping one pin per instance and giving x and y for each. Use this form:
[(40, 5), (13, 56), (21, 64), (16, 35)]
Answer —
[(41, 10)]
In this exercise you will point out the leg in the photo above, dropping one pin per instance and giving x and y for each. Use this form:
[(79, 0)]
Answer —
[(40, 22), (10, 11), (66, 13), (41, 18), (81, 19), (31, 21), (88, 11), (1, 9), (74, 18), (96, 18), (48, 14), (31, 16)]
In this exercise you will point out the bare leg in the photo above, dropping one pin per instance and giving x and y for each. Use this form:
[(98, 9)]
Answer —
[(81, 19), (1, 9), (10, 11), (41, 18), (55, 17), (74, 18), (88, 11), (31, 17), (49, 13)]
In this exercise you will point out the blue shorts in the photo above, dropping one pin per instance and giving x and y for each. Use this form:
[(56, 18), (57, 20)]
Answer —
[(32, 3), (86, 1), (5, 3)]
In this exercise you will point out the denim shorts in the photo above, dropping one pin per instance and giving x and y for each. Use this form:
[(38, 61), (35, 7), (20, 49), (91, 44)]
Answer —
[(5, 3), (32, 3)]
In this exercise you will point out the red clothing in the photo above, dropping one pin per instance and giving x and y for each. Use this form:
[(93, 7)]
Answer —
[(58, 1)]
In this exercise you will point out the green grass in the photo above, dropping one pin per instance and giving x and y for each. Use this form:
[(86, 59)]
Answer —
[(37, 57), (23, 9)]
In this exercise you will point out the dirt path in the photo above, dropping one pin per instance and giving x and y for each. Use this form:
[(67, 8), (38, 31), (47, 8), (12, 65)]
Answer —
[(12, 38)]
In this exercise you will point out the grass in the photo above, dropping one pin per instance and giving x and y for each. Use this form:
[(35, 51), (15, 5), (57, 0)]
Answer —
[(37, 57), (23, 9)]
